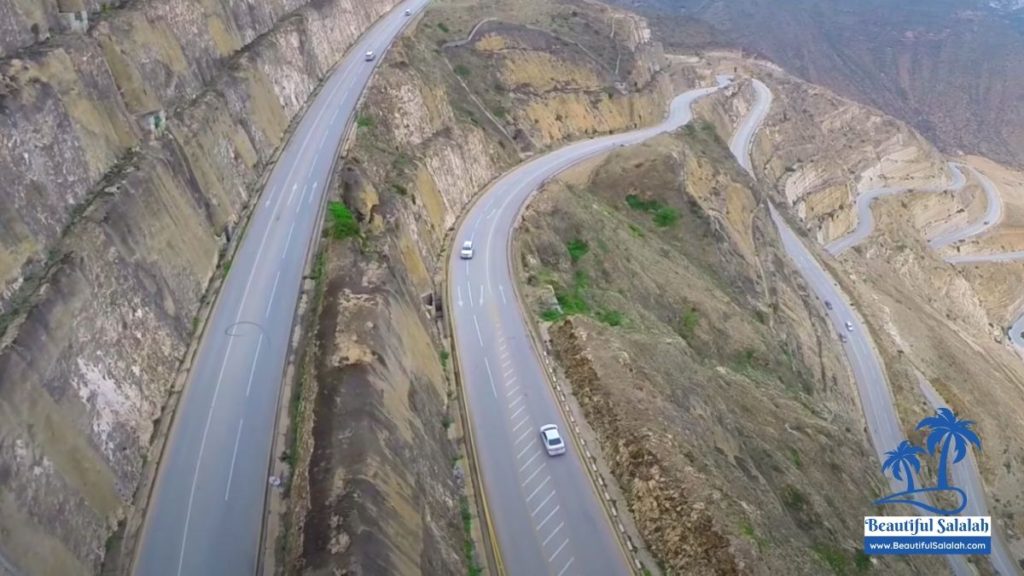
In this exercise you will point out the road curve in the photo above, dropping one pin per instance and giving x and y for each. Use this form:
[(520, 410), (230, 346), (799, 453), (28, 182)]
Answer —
[(206, 509), (993, 214), (883, 425), (547, 516), (865, 217)]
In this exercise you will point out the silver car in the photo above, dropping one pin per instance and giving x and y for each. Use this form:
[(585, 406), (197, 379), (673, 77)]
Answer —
[(467, 250), (552, 440), (369, 56)]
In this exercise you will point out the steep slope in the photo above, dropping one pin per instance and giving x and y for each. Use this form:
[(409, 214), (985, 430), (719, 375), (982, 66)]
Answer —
[(130, 152), (719, 398), (950, 68), (378, 485)]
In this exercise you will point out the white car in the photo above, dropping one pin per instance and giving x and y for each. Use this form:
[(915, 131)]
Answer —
[(552, 440), (369, 56), (849, 326), (467, 250), (408, 12)]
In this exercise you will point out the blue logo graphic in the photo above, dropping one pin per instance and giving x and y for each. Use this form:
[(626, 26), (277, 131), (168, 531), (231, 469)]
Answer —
[(948, 435)]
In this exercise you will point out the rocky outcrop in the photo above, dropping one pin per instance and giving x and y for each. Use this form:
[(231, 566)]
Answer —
[(383, 490), (131, 153)]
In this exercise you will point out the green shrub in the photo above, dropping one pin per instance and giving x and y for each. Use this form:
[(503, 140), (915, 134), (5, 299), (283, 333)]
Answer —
[(665, 216), (364, 121), (610, 317), (636, 203), (343, 223), (441, 26), (551, 315), (577, 249), (688, 324), (833, 557), (461, 70)]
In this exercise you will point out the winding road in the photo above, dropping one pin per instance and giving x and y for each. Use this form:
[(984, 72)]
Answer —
[(547, 515), (880, 415), (205, 513)]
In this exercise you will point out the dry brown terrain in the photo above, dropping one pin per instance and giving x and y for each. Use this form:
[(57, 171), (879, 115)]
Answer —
[(718, 392)]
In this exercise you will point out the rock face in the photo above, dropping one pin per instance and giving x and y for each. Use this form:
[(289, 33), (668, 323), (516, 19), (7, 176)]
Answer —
[(719, 393), (377, 488), (130, 153)]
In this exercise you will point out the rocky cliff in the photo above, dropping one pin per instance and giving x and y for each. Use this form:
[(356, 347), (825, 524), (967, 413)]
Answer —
[(468, 93), (131, 149)]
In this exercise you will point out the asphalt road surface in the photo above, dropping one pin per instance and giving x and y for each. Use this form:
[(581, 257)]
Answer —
[(883, 425), (205, 514), (546, 513), (993, 214), (866, 220)]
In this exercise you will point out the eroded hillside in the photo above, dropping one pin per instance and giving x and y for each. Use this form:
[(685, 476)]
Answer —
[(379, 485), (720, 397)]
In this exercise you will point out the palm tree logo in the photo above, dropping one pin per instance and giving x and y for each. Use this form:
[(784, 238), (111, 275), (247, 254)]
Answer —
[(901, 460), (947, 435)]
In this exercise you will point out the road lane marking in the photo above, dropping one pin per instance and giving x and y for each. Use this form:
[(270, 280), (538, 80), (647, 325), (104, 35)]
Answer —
[(312, 192), (530, 461), (559, 550), (520, 425), (467, 274), (298, 205), (488, 364), (502, 290), (530, 477), (516, 401), (252, 273), (520, 455), (510, 381), (566, 567), (544, 503), (548, 517), (522, 436), (202, 448), (481, 294), (512, 391), (292, 194), (509, 372), (316, 157), (478, 335), (252, 370), (458, 289), (289, 242), (521, 408), (266, 313), (234, 455), (552, 535), (469, 291), (504, 352), (537, 489)]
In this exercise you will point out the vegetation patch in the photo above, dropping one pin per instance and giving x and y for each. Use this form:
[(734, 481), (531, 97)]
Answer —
[(343, 223), (473, 568), (833, 558), (665, 217), (364, 121), (688, 324), (577, 249), (610, 317), (461, 70)]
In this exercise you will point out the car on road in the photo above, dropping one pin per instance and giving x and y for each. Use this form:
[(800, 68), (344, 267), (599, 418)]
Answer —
[(843, 338), (408, 12), (828, 304), (552, 440), (467, 250), (369, 56), (849, 326)]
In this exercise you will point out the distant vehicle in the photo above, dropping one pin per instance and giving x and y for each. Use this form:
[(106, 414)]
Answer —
[(467, 250), (408, 12), (369, 56), (828, 304), (843, 338), (552, 440), (849, 326)]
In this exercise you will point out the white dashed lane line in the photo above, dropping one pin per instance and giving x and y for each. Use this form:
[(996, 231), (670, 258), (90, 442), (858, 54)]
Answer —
[(516, 413), (516, 401), (542, 504), (520, 425), (520, 455), (512, 391), (560, 548), (549, 516), (552, 535), (528, 462), (523, 436), (566, 567), (537, 489), (535, 472)]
